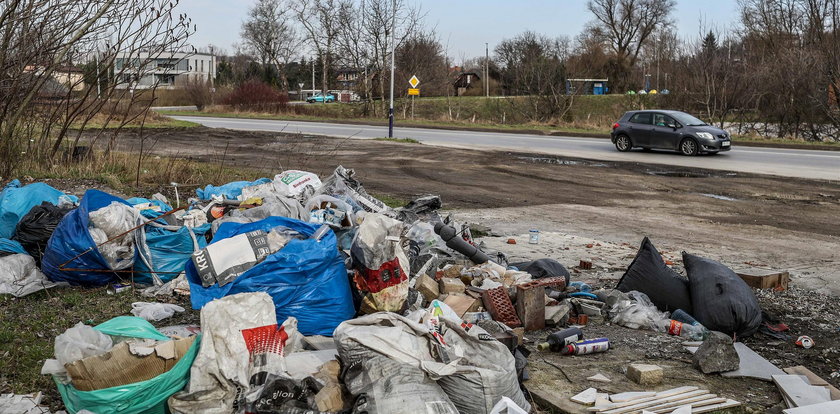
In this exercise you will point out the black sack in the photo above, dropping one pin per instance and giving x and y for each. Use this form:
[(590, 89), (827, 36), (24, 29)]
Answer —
[(541, 268), (649, 274), (724, 301), (35, 228)]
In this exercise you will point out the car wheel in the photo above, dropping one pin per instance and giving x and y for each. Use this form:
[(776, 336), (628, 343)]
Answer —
[(689, 146), (623, 143)]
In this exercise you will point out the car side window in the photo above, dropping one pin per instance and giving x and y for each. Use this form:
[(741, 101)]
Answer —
[(641, 118), (663, 120)]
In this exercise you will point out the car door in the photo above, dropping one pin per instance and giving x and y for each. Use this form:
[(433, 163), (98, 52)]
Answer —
[(664, 133), (640, 126)]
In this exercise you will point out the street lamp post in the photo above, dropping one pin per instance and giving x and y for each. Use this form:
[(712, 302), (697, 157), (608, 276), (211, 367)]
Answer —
[(391, 108)]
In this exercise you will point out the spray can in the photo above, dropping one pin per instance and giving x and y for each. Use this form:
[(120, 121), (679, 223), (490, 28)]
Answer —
[(589, 346), (560, 339)]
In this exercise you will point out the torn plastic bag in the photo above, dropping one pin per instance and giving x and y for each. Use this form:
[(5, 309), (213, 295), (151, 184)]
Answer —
[(381, 264), (241, 345), (230, 191), (306, 278), (274, 205), (329, 210), (424, 208), (35, 228), (113, 224), (16, 201), (144, 397), (154, 311), (150, 208), (72, 238), (19, 276), (169, 252), (649, 274), (342, 185), (80, 341), (541, 268), (636, 311), (286, 395), (729, 304)]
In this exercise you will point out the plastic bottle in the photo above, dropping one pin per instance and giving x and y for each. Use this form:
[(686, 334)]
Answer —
[(677, 328), (683, 316), (589, 346), (559, 340)]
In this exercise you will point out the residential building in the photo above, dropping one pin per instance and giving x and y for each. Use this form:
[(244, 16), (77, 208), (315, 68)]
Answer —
[(167, 70), (464, 81)]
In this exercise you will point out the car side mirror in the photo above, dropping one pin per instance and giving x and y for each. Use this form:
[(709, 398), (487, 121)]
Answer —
[(674, 126)]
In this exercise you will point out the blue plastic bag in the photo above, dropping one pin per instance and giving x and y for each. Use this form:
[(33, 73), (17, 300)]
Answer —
[(16, 201), (11, 246), (72, 238), (144, 397), (229, 190), (170, 250), (306, 278), (149, 213)]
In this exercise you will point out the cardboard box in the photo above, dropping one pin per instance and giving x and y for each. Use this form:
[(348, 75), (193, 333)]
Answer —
[(120, 367), (462, 304), (451, 285)]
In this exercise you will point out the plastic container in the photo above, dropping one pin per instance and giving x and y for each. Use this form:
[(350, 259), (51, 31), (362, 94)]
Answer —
[(589, 346), (683, 316), (557, 341), (534, 236)]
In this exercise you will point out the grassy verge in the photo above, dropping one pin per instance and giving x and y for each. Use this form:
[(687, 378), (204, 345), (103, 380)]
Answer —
[(153, 121), (398, 140), (29, 325)]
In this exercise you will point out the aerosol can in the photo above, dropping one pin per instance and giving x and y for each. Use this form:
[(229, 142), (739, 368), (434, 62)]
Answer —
[(589, 346)]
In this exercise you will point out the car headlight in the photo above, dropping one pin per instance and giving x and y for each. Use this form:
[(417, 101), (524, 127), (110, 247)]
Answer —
[(705, 135)]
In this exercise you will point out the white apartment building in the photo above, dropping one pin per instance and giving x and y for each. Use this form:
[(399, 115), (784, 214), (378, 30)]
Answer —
[(167, 70)]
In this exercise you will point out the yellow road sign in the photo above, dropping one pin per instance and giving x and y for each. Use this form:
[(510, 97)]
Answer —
[(414, 81), (413, 91)]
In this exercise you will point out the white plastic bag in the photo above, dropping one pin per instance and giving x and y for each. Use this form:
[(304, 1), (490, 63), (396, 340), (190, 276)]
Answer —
[(112, 221), (507, 406), (297, 184), (19, 276), (80, 341), (154, 311), (636, 313)]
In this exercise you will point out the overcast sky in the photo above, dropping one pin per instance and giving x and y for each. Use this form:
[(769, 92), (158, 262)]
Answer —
[(465, 25)]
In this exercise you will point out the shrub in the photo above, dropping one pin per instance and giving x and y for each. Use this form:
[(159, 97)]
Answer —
[(257, 96)]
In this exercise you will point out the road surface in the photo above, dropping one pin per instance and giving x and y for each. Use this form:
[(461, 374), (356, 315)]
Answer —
[(775, 161)]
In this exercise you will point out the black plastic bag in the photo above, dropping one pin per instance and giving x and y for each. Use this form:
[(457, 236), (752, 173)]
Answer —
[(541, 268), (649, 274), (35, 228), (724, 301)]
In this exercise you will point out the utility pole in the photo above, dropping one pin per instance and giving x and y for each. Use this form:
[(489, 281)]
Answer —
[(486, 70), (391, 108), (313, 76)]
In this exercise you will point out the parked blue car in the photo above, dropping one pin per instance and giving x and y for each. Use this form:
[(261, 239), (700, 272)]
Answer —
[(320, 98)]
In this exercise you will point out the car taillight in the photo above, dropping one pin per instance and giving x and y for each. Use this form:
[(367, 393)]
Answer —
[(615, 125)]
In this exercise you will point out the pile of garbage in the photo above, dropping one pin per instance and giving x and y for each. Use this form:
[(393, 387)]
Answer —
[(317, 297)]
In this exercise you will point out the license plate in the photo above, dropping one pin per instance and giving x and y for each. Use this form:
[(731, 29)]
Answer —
[(726, 143)]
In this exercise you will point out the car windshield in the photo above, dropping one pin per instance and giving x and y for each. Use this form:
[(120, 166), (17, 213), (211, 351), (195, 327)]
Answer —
[(687, 119)]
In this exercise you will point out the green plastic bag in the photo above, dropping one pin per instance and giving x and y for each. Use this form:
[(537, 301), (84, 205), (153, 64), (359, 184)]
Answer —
[(144, 397)]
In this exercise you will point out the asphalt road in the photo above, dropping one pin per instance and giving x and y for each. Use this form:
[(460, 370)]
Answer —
[(775, 161)]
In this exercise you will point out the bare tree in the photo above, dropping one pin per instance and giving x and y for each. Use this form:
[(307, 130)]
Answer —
[(319, 19), (625, 26), (270, 34), (38, 38)]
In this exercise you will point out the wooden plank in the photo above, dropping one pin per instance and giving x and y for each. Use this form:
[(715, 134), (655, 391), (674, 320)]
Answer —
[(716, 407), (630, 396), (814, 379), (661, 394), (674, 404), (658, 401), (800, 392), (701, 403)]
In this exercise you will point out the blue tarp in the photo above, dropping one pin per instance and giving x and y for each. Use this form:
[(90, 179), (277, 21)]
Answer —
[(229, 190), (11, 246), (72, 238), (171, 250), (16, 201), (306, 278)]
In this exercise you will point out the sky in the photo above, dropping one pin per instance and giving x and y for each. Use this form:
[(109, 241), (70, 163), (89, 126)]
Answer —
[(465, 25)]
